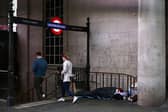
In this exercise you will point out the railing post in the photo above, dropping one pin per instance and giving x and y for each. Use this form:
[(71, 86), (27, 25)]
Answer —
[(127, 82), (123, 81), (11, 91), (88, 54), (119, 80), (103, 79), (56, 79), (46, 86), (111, 79)]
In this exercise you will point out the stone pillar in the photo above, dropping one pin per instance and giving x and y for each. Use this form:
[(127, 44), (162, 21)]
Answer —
[(151, 52), (29, 39), (4, 12)]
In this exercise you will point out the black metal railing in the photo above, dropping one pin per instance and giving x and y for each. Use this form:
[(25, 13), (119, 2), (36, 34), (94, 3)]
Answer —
[(49, 87), (80, 77), (105, 79), (52, 83)]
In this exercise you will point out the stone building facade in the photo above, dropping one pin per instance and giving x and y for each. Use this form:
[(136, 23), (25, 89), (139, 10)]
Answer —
[(123, 39)]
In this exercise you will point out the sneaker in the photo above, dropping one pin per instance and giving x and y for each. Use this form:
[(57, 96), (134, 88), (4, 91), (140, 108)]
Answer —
[(124, 98), (43, 95), (75, 98), (130, 99), (61, 100)]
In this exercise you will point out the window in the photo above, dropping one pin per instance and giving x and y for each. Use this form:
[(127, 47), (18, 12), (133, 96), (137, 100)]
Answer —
[(53, 44)]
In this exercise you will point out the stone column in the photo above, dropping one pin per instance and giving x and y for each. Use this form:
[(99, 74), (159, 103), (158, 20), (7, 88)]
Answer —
[(29, 39), (4, 12), (151, 52)]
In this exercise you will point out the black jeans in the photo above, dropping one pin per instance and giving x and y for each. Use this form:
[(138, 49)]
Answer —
[(38, 86), (66, 89)]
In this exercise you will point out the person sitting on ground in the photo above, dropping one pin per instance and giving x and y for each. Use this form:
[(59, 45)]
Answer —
[(120, 94), (105, 93)]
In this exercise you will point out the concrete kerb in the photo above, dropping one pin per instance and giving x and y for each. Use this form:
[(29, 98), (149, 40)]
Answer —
[(32, 104)]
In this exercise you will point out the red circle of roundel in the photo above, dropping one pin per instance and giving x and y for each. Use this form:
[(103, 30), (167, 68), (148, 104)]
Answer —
[(56, 31)]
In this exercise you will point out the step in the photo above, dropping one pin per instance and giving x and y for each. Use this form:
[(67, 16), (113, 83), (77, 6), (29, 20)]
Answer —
[(37, 103)]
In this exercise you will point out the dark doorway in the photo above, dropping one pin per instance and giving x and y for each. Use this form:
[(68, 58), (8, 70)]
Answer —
[(3, 50), (3, 63), (4, 40)]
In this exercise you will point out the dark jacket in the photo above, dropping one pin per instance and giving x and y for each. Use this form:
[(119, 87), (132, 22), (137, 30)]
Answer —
[(105, 92), (39, 67), (99, 93)]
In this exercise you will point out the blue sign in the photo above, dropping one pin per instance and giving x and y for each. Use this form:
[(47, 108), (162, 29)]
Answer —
[(56, 25)]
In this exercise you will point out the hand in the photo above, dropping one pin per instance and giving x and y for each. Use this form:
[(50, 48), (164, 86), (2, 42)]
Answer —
[(58, 72)]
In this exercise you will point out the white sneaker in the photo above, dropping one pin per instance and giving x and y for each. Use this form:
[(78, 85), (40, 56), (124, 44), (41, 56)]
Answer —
[(75, 98), (61, 100), (124, 97), (130, 99), (43, 95)]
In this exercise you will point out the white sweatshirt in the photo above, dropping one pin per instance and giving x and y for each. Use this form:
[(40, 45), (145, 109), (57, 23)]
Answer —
[(67, 70)]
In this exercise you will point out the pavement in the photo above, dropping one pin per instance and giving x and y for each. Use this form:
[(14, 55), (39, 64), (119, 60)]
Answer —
[(83, 105)]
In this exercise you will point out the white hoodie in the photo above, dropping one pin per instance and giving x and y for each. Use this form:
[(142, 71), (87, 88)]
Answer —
[(67, 71)]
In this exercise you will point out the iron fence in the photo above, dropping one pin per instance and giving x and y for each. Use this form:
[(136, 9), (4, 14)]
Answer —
[(105, 79), (52, 82)]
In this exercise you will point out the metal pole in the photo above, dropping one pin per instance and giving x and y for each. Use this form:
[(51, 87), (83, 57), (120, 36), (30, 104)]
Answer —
[(88, 53), (166, 25), (11, 91)]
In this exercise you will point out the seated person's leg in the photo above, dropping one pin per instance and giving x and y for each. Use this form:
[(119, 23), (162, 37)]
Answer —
[(104, 93), (118, 97)]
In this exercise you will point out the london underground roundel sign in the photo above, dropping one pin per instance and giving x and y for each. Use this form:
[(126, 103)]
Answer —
[(53, 30)]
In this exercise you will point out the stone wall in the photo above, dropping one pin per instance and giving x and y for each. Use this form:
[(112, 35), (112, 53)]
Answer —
[(113, 41), (30, 39), (151, 53), (3, 12)]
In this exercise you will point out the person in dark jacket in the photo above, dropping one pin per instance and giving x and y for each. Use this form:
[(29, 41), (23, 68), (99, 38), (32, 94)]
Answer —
[(39, 67), (105, 93)]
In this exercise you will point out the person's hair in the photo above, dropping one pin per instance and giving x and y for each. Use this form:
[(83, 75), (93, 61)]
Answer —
[(120, 89), (65, 56), (38, 53)]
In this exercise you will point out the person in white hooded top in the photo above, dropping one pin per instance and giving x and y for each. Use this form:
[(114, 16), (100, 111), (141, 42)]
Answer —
[(66, 73)]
